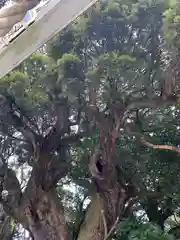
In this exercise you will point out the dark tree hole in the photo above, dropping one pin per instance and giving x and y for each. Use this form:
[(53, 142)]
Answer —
[(99, 166)]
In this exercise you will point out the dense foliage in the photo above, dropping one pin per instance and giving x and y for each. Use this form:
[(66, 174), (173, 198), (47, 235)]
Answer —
[(97, 117)]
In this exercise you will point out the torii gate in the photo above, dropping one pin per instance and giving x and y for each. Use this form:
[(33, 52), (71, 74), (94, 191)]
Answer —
[(51, 19)]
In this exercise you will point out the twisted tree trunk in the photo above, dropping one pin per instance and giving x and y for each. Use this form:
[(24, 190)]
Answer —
[(101, 220), (45, 217), (38, 208), (108, 204), (113, 191)]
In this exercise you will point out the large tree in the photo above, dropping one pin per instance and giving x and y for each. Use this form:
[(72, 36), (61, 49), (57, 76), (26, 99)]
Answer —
[(93, 111)]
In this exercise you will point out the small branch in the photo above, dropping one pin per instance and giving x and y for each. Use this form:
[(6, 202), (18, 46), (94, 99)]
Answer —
[(113, 228), (15, 138), (157, 146), (105, 224), (73, 138)]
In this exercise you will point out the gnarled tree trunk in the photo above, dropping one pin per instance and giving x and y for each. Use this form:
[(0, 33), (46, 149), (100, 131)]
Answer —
[(45, 217), (108, 203), (101, 220), (113, 191), (38, 208)]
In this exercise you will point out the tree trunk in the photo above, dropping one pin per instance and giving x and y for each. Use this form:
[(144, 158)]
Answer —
[(92, 227), (113, 192), (45, 217), (38, 208), (106, 208), (102, 216), (42, 207)]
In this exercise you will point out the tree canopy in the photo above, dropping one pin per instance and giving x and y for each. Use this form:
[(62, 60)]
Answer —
[(89, 129)]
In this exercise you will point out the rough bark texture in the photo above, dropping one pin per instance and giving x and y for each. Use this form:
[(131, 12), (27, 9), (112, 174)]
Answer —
[(43, 210), (100, 217), (38, 208), (108, 203), (92, 227), (45, 217), (112, 190)]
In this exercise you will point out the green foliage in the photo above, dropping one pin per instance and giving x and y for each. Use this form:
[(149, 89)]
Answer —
[(132, 229), (172, 24), (117, 50)]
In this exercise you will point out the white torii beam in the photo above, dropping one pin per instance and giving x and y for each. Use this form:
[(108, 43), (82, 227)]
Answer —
[(55, 16)]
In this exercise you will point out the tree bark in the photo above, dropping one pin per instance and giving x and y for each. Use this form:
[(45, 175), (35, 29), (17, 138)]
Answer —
[(38, 208), (107, 204), (45, 217), (100, 219), (103, 213), (92, 227), (42, 208), (113, 191)]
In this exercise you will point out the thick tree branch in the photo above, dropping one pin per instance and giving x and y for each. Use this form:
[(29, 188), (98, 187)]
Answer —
[(143, 140), (12, 115), (151, 103), (12, 202), (157, 146)]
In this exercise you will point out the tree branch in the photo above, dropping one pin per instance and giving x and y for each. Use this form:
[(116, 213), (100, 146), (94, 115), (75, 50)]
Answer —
[(141, 137), (112, 230), (11, 202), (15, 138), (157, 146), (151, 103)]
